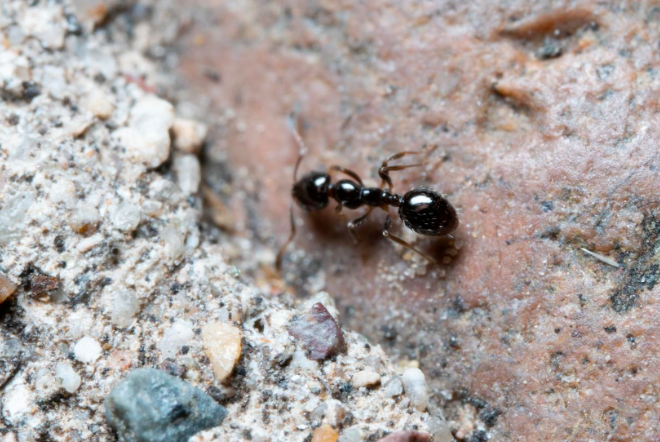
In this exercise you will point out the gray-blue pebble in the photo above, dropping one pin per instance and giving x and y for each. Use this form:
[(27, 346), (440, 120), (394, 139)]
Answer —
[(149, 405)]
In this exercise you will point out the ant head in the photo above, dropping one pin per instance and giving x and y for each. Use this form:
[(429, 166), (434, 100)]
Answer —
[(311, 192), (428, 213)]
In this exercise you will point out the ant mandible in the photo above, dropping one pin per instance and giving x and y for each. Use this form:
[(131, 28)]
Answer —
[(422, 210)]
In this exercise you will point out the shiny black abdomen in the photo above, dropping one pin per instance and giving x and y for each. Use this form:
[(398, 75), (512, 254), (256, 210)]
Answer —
[(428, 213), (311, 191)]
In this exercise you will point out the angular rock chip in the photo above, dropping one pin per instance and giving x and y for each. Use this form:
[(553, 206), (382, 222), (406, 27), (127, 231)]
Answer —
[(365, 378), (151, 406), (7, 288), (318, 333), (406, 436), (222, 344), (325, 433)]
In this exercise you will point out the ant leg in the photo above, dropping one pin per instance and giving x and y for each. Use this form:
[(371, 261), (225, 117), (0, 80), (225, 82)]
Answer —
[(356, 222), (280, 254), (384, 170), (338, 208), (387, 234), (347, 172)]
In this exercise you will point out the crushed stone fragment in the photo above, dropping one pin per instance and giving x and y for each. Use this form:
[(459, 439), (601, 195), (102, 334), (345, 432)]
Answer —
[(222, 344), (150, 405), (414, 384), (318, 333)]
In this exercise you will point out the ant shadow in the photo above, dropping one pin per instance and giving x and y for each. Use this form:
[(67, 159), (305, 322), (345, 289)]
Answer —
[(331, 232)]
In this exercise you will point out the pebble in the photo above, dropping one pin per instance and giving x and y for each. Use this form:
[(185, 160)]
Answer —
[(188, 173), (84, 219), (98, 103), (150, 405), (87, 350), (189, 135), (7, 288), (147, 139), (406, 436), (325, 433), (414, 383), (174, 235), (46, 24), (126, 217), (152, 208), (87, 244), (365, 378), (394, 387), (352, 434), (63, 192), (318, 333), (125, 305), (175, 337), (222, 344), (335, 412), (13, 217), (67, 376)]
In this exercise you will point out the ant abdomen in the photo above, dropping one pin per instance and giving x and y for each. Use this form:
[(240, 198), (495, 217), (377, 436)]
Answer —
[(428, 213)]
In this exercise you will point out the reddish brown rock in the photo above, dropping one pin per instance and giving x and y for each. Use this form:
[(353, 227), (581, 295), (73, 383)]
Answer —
[(406, 436), (318, 333), (42, 286), (548, 144)]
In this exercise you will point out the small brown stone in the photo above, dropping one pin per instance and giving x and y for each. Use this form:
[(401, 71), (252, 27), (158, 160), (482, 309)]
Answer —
[(406, 436), (222, 344), (318, 333), (325, 433), (7, 288), (42, 286)]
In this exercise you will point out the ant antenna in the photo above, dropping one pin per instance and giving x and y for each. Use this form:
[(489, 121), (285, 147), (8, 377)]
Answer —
[(292, 123)]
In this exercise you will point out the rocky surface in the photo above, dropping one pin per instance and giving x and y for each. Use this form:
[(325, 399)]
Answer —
[(545, 114), (107, 264)]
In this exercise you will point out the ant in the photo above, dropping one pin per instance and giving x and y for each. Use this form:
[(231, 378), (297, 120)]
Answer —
[(422, 210)]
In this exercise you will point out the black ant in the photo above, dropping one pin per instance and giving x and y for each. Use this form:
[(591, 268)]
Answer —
[(422, 210)]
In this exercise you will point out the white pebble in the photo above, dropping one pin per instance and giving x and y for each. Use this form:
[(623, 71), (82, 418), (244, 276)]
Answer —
[(152, 208), (87, 244), (175, 337), (174, 236), (84, 218), (335, 413), (126, 217), (189, 135), (98, 103), (414, 384), (64, 191), (46, 24), (67, 376), (13, 217), (148, 138), (352, 434), (188, 173), (125, 305), (87, 350), (394, 387), (365, 378)]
